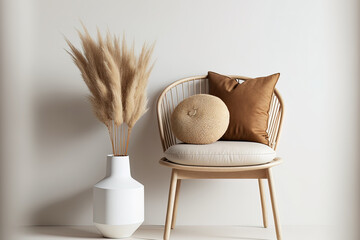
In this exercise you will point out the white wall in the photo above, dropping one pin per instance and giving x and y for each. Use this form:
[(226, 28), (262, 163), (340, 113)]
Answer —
[(313, 44)]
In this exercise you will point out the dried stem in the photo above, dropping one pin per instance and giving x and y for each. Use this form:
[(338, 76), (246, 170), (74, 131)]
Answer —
[(111, 136), (128, 138), (125, 142)]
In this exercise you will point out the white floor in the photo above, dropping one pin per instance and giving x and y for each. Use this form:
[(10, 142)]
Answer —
[(184, 232)]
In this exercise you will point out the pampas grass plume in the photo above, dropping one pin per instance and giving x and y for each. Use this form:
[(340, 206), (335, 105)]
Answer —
[(117, 81)]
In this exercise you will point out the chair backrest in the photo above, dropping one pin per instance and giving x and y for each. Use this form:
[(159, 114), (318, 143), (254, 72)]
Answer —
[(184, 88)]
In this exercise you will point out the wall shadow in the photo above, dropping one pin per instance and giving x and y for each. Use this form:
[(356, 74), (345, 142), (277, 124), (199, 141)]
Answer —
[(64, 210), (357, 229), (62, 120), (145, 151), (61, 123)]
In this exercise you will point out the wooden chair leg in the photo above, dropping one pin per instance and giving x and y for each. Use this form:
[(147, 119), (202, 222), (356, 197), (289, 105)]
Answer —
[(170, 206), (263, 204), (273, 203), (178, 184)]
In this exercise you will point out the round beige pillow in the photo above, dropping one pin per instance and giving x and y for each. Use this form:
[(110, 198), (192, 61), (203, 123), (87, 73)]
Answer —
[(200, 119)]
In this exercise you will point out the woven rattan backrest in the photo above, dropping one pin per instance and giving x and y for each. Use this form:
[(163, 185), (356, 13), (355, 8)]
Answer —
[(181, 89)]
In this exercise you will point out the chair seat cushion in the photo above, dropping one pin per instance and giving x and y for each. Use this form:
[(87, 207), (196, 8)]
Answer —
[(221, 153)]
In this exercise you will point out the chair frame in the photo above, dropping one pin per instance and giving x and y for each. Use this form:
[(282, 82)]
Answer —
[(173, 95)]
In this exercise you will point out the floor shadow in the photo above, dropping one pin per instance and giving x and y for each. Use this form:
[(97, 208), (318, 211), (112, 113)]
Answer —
[(221, 232), (71, 232), (87, 232), (240, 238), (148, 233)]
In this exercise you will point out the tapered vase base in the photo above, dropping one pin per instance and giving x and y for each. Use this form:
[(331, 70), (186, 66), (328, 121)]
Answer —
[(117, 231)]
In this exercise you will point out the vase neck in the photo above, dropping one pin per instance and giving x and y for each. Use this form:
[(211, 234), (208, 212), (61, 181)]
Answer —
[(118, 166)]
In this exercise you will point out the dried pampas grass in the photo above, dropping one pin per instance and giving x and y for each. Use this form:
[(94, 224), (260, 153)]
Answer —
[(117, 81)]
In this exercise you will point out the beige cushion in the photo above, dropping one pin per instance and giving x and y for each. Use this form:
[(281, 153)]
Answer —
[(200, 119), (221, 153)]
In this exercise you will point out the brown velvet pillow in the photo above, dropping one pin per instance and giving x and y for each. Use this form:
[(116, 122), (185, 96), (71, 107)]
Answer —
[(248, 104)]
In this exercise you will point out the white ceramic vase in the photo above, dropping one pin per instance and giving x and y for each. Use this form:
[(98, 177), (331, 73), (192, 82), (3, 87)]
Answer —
[(118, 200)]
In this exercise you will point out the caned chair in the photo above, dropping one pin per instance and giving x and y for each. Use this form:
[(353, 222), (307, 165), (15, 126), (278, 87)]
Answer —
[(168, 100)]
